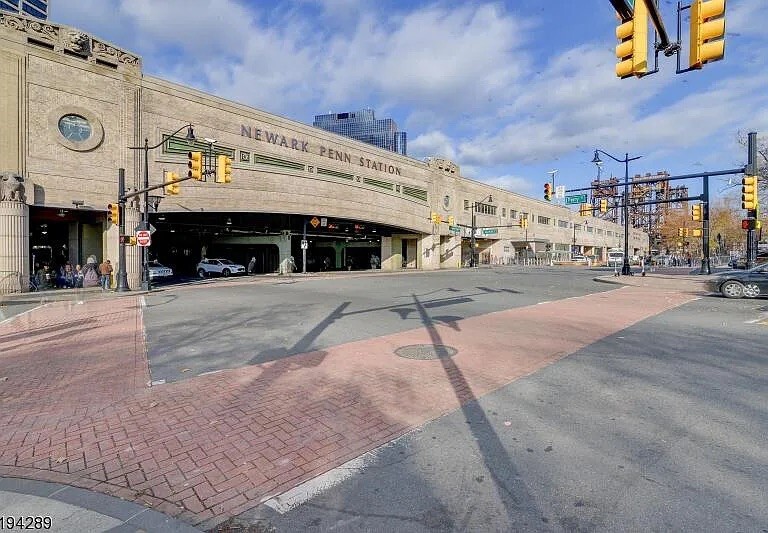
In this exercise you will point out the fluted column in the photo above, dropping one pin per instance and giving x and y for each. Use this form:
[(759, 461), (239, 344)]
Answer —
[(132, 253), (14, 247)]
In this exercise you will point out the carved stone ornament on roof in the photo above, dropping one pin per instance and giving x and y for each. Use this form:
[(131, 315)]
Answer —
[(446, 165), (109, 52), (39, 29), (78, 42)]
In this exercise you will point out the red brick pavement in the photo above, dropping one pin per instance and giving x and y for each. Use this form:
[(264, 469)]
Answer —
[(76, 408)]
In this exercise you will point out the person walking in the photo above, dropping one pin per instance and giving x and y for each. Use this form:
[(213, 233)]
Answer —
[(105, 269), (252, 265)]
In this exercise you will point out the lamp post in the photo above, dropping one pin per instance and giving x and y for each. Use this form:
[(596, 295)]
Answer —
[(625, 268), (145, 284), (472, 261)]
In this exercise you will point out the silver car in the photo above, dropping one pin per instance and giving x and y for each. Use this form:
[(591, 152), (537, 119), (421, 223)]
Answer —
[(218, 267), (158, 271)]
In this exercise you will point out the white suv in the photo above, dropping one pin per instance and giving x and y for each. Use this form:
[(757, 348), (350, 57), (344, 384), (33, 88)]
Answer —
[(222, 267)]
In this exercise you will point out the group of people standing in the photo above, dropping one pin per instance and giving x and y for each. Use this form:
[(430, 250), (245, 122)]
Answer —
[(69, 277)]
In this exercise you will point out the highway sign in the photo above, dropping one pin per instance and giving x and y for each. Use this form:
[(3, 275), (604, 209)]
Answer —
[(576, 199), (143, 238)]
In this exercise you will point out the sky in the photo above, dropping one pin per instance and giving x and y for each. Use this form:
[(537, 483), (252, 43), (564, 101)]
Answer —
[(508, 90)]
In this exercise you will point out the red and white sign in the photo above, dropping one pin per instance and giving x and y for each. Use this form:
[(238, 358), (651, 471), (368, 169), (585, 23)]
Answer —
[(143, 238)]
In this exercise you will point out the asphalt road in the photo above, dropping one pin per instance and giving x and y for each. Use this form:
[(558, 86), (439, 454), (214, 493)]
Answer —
[(660, 427), (235, 322)]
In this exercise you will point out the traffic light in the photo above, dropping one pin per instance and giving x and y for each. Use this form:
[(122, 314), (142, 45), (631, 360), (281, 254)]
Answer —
[(585, 210), (707, 32), (131, 241), (751, 223), (195, 165), (680, 232), (548, 192), (451, 220), (523, 222), (696, 232), (749, 192), (632, 50), (171, 187), (696, 212), (113, 214), (223, 169), (436, 218), (685, 232), (603, 205)]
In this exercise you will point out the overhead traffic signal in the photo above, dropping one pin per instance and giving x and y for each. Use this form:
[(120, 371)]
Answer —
[(585, 210), (696, 232), (523, 222), (696, 212), (451, 220), (749, 192), (603, 205), (707, 32), (113, 213), (436, 218), (223, 169), (680, 232), (171, 187), (548, 192), (751, 223), (195, 165), (632, 50)]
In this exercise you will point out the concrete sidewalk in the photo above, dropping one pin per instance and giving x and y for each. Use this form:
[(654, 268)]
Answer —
[(69, 509), (683, 283)]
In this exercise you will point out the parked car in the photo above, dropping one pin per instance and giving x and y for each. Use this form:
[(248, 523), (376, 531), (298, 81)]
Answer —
[(578, 258), (158, 271), (741, 284), (218, 267)]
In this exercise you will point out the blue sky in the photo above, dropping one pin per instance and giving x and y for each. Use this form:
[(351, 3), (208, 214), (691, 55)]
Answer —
[(507, 90)]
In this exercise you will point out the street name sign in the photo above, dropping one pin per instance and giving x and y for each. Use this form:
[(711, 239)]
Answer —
[(454, 229), (576, 199), (490, 231)]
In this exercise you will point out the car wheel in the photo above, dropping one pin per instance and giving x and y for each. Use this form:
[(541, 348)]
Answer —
[(732, 289), (225, 272), (751, 290), (201, 272)]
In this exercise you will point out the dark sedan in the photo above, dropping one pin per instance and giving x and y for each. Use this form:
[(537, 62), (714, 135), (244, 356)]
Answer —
[(741, 283)]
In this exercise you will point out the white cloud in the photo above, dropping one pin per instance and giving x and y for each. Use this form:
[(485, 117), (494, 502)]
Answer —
[(434, 143)]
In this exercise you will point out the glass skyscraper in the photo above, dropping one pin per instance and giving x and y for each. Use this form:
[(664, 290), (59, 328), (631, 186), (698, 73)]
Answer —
[(31, 8), (363, 126)]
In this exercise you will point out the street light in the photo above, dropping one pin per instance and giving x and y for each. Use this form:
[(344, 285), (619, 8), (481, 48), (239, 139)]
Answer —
[(625, 268), (472, 261), (145, 284)]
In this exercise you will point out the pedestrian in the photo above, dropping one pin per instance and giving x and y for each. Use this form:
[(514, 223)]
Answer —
[(79, 277), (68, 276), (105, 269), (252, 265)]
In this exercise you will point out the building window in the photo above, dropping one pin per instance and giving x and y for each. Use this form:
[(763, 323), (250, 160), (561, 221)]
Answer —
[(562, 223), (485, 209), (543, 220), (590, 229), (599, 231), (512, 213), (504, 212)]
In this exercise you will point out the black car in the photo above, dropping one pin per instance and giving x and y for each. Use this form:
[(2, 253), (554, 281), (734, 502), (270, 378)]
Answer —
[(741, 283)]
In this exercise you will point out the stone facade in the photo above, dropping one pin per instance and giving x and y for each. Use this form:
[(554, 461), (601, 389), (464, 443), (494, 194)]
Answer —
[(50, 72)]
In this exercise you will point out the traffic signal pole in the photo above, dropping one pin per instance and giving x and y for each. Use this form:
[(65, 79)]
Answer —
[(122, 274), (706, 266), (751, 170)]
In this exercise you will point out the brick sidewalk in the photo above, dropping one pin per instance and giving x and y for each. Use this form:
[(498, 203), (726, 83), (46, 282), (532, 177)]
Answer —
[(76, 407)]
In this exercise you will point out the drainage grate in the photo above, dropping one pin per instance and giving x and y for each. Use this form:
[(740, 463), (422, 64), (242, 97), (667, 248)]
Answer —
[(426, 351)]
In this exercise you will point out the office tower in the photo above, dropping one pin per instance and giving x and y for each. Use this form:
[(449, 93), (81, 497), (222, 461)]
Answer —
[(363, 126), (30, 8)]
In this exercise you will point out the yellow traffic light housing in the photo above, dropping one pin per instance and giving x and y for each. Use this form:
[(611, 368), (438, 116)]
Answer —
[(696, 212), (749, 192), (451, 220), (685, 232), (585, 210), (696, 232), (523, 222), (171, 187), (548, 192), (707, 32), (436, 218), (680, 232), (195, 165), (632, 50), (131, 241), (113, 213), (603, 205), (223, 169)]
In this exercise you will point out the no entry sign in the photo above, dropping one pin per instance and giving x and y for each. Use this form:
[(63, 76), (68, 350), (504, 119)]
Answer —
[(143, 238)]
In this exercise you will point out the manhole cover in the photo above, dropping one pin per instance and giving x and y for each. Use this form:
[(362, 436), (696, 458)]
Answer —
[(426, 351)]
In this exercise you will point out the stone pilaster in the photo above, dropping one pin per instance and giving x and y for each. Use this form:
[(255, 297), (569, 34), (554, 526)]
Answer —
[(14, 247), (132, 253)]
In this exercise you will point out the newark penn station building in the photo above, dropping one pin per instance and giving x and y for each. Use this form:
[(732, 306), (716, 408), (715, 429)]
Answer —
[(76, 109)]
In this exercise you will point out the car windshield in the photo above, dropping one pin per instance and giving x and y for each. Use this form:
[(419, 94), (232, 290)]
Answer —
[(226, 262)]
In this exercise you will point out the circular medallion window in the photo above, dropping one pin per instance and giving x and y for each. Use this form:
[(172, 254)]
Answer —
[(76, 128)]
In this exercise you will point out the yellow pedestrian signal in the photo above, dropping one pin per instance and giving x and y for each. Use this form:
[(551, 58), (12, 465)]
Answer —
[(195, 165), (223, 169), (632, 50), (548, 192), (171, 187), (131, 241), (707, 32), (603, 205), (749, 192), (696, 212), (113, 213)]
